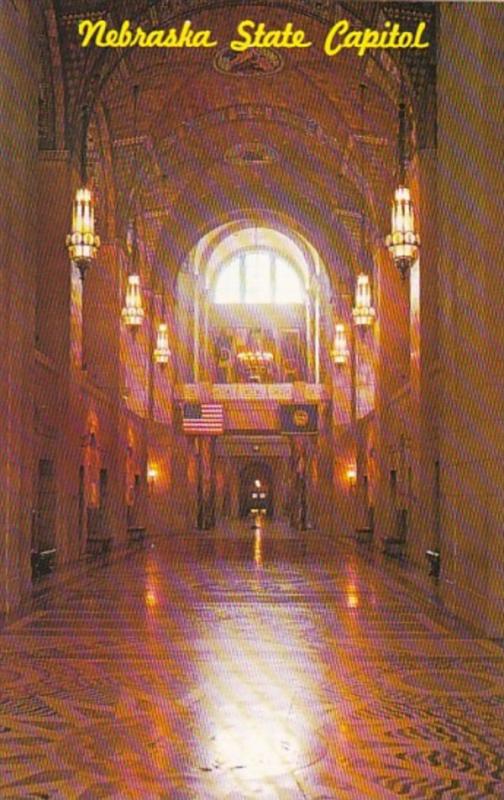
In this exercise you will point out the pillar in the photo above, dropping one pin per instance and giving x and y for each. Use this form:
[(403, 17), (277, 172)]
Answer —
[(392, 383), (18, 174), (470, 121), (424, 346)]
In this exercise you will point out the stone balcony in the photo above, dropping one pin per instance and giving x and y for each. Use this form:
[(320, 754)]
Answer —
[(252, 408), (273, 392)]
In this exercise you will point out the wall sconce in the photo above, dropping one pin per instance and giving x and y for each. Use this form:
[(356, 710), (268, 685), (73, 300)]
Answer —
[(351, 476), (152, 474)]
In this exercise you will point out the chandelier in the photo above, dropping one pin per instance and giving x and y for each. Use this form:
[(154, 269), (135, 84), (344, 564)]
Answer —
[(363, 312), (83, 243), (403, 242), (133, 313), (340, 352), (162, 351), (255, 357)]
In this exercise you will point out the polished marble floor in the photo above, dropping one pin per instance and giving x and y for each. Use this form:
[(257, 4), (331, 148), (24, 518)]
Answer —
[(247, 663)]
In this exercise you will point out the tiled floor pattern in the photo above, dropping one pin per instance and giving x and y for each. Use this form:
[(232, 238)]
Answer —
[(247, 664)]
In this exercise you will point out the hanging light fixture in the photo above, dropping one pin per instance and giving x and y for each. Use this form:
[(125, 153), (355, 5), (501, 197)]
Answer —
[(83, 243), (403, 242), (340, 352), (133, 313), (162, 352), (363, 312)]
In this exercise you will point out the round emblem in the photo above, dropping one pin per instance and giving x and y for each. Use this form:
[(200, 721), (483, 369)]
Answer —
[(300, 418)]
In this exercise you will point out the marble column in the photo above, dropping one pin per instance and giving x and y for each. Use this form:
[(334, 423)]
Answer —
[(392, 381), (471, 300), (18, 175), (424, 364)]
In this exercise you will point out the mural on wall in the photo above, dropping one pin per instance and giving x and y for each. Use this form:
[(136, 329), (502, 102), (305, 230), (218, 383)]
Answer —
[(278, 356)]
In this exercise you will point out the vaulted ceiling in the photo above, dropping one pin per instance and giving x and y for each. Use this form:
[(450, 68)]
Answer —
[(274, 130)]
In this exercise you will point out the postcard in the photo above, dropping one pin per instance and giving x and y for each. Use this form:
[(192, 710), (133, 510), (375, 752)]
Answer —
[(251, 371)]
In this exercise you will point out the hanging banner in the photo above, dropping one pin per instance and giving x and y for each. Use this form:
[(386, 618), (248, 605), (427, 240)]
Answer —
[(298, 418)]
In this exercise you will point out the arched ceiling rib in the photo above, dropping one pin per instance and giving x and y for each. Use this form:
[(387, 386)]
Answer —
[(210, 144)]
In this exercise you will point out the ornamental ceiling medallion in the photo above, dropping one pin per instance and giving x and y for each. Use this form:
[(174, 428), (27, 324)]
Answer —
[(254, 61), (251, 153)]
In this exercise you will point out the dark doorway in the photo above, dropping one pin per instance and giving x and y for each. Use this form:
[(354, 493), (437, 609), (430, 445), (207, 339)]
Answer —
[(82, 505), (132, 509), (44, 530), (43, 549), (256, 489), (103, 501)]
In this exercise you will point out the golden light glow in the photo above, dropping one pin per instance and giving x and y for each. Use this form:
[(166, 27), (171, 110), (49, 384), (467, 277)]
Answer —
[(340, 352), (351, 476), (162, 352), (255, 358), (403, 242), (258, 552), (152, 475), (82, 242), (363, 312), (150, 599), (133, 313)]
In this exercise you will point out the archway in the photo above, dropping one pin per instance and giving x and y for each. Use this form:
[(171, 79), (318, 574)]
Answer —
[(256, 489), (253, 288)]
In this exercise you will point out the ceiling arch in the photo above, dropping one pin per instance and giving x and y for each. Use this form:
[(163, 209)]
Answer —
[(196, 161), (88, 72)]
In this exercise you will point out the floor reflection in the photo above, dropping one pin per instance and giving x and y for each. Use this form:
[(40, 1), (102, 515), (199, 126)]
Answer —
[(249, 662)]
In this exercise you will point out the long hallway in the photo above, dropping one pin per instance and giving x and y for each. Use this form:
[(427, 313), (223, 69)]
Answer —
[(247, 663)]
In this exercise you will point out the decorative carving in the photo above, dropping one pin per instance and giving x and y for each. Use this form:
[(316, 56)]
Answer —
[(251, 153), (255, 61)]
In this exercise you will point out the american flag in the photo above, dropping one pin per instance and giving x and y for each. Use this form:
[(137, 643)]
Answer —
[(202, 418)]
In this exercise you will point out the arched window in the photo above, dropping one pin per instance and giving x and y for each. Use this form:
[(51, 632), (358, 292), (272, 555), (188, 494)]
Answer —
[(258, 275)]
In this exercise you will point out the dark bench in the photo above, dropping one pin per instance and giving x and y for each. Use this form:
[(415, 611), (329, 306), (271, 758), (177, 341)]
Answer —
[(137, 534), (394, 546), (434, 559), (364, 535), (42, 562), (98, 546)]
